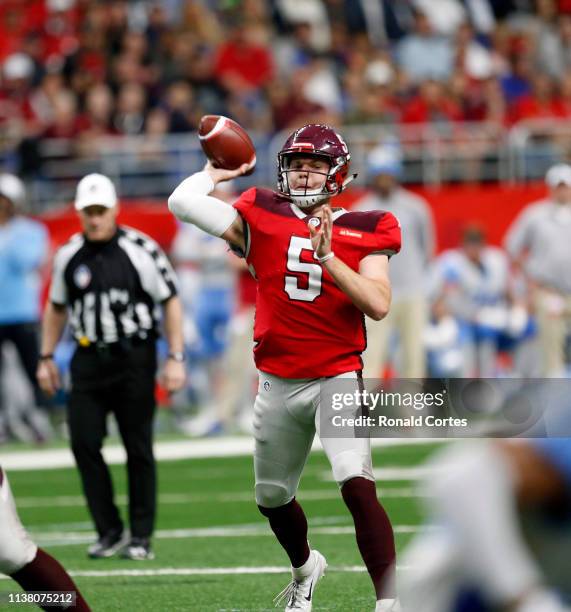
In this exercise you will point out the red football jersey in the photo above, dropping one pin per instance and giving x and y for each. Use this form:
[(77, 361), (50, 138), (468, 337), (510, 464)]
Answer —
[(305, 326)]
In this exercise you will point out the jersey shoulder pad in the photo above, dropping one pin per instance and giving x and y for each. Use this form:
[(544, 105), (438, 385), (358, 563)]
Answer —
[(378, 230), (257, 199)]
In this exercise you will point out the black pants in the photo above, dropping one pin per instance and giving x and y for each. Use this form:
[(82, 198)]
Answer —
[(121, 381), (24, 336)]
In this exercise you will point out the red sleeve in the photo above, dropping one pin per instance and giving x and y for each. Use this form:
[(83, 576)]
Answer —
[(387, 235), (245, 205)]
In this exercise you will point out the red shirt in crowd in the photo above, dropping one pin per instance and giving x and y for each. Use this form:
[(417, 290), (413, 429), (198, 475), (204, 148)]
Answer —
[(252, 63)]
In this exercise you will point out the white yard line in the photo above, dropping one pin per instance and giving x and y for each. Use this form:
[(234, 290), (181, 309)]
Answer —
[(206, 571), (237, 531), (73, 501), (228, 446)]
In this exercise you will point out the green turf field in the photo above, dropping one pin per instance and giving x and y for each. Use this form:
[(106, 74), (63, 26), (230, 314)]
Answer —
[(210, 536)]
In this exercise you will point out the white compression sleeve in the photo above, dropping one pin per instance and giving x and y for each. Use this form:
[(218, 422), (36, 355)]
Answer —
[(191, 203)]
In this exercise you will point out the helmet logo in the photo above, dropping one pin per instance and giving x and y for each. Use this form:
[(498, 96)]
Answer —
[(342, 142)]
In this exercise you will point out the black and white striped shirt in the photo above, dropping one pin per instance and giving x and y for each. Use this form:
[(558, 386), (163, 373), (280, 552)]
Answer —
[(112, 289)]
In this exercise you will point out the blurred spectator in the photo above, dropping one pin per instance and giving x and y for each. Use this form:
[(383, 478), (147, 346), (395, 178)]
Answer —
[(156, 127), (423, 54), (86, 67), (244, 64), (540, 103), (97, 118), (23, 251), (380, 20), (15, 91), (290, 108), (65, 122), (320, 85), (375, 103), (131, 106), (539, 241), (294, 51), (431, 105), (481, 15), (472, 57), (181, 108), (43, 98), (565, 95), (309, 19), (554, 48), (517, 82), (445, 16), (200, 22), (408, 313)]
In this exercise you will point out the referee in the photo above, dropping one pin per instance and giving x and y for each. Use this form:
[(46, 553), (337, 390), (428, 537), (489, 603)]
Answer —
[(110, 279)]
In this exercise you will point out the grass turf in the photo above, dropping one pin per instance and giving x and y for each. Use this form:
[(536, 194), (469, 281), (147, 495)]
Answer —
[(202, 494)]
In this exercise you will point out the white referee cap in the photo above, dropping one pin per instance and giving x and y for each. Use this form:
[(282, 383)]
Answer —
[(95, 190), (558, 174), (12, 188)]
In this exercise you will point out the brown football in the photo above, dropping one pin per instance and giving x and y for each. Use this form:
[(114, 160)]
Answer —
[(225, 143)]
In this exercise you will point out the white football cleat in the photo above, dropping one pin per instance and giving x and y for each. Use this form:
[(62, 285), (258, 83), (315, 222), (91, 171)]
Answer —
[(299, 592), (388, 605)]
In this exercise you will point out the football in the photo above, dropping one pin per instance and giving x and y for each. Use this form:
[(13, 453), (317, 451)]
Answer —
[(225, 143)]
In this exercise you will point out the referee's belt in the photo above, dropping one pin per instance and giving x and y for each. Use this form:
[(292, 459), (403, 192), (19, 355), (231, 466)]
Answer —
[(120, 347)]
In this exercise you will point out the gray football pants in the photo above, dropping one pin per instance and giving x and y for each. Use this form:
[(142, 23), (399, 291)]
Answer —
[(16, 547), (287, 414)]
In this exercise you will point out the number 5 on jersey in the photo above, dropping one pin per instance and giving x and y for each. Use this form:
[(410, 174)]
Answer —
[(313, 271)]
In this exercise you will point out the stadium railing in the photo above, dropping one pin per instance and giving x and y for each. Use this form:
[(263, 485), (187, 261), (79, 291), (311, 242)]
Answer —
[(432, 154)]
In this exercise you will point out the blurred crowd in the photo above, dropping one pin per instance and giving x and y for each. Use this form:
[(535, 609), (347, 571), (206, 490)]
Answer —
[(78, 69), (83, 69)]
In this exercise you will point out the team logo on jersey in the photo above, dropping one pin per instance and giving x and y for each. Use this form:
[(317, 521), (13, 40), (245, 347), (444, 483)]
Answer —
[(82, 276), (314, 221), (267, 385)]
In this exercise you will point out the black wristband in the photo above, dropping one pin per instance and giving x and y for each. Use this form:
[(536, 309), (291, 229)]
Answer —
[(177, 356), (46, 357)]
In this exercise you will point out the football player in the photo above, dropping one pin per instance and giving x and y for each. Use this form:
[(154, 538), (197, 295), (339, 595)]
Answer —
[(31, 567), (319, 270), (503, 540)]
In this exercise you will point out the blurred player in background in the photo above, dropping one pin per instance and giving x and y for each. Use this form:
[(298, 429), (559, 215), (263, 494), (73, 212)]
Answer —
[(240, 382), (408, 272), (472, 283), (539, 241), (503, 537), (210, 305), (23, 251), (319, 270), (31, 567)]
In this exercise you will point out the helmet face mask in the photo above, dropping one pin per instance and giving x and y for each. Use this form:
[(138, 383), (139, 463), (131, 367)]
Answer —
[(318, 142)]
